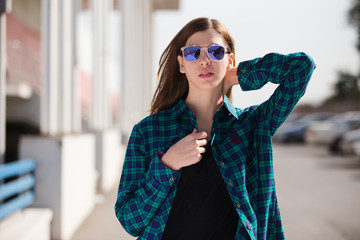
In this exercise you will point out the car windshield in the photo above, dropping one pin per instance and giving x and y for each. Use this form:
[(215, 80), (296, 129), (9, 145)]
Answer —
[(316, 117), (345, 117)]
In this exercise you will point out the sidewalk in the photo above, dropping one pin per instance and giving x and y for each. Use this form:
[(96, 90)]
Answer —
[(102, 223), (318, 195)]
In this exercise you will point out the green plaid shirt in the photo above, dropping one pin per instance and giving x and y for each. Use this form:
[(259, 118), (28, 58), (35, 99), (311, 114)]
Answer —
[(241, 145)]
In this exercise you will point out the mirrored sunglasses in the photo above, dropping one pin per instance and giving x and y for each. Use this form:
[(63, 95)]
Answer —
[(215, 52)]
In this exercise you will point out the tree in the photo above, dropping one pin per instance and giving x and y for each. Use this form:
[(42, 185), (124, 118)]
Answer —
[(354, 19), (347, 85)]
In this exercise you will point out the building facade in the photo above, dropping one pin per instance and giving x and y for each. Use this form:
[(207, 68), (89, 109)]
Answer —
[(76, 76)]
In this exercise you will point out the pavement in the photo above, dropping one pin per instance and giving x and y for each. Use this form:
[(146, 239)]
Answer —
[(102, 223), (318, 194)]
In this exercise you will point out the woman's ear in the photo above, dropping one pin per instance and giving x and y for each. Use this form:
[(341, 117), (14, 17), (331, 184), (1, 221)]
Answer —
[(231, 59), (181, 63)]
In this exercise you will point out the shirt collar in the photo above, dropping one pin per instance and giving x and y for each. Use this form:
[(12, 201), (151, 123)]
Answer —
[(231, 108), (180, 107)]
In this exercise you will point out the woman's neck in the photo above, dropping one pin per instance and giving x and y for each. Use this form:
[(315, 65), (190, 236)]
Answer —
[(204, 104)]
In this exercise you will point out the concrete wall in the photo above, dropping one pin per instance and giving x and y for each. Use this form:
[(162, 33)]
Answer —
[(27, 224), (25, 110), (65, 178), (108, 159)]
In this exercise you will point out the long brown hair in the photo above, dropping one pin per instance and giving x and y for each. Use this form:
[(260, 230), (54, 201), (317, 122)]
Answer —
[(173, 84)]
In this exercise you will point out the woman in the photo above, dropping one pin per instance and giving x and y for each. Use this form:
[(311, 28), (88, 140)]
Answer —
[(199, 168)]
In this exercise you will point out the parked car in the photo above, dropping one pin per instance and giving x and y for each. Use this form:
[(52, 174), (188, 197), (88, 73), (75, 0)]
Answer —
[(326, 132), (294, 130), (344, 143), (356, 148)]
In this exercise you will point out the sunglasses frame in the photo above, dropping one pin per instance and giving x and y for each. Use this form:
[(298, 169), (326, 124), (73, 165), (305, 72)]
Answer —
[(227, 50)]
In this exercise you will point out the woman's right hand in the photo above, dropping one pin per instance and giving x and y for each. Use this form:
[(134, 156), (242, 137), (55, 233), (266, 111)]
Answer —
[(230, 79), (186, 151)]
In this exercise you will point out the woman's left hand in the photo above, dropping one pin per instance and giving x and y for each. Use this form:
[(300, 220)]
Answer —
[(230, 79)]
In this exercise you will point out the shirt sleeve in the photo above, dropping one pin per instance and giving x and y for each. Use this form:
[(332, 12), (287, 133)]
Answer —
[(142, 189), (292, 72)]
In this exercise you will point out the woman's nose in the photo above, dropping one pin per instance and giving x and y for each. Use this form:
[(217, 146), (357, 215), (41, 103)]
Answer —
[(204, 58)]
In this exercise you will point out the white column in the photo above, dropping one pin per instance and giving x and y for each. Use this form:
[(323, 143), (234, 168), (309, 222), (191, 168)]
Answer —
[(147, 77), (137, 63), (66, 64), (75, 88), (137, 75), (94, 120), (2, 85), (100, 102), (106, 108), (127, 50), (49, 121), (60, 100)]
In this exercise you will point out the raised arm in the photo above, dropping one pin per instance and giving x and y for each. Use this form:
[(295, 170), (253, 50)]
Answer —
[(292, 72)]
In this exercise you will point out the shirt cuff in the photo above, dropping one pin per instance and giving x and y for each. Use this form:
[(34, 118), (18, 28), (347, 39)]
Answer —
[(243, 68), (250, 78), (160, 172)]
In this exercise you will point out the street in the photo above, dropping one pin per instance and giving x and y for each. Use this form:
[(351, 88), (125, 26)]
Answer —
[(318, 194)]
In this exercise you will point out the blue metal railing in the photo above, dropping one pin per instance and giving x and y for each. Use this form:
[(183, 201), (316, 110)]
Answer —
[(22, 186)]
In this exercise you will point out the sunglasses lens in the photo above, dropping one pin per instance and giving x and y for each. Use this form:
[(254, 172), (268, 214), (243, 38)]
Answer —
[(191, 53), (216, 52)]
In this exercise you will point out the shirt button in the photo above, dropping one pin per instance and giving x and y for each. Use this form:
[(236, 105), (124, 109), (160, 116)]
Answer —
[(248, 227), (222, 163), (243, 71), (238, 205), (171, 178), (230, 184)]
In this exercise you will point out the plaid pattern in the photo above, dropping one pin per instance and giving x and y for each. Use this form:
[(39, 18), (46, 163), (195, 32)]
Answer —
[(241, 145)]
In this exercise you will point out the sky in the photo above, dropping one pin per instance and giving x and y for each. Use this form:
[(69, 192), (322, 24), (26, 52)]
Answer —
[(316, 27)]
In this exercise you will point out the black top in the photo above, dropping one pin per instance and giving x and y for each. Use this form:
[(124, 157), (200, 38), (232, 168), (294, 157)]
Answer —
[(202, 208)]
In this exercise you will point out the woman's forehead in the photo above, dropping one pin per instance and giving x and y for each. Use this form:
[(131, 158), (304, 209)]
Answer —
[(207, 37)]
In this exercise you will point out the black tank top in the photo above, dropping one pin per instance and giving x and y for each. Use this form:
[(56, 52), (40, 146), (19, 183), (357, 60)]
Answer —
[(202, 208)]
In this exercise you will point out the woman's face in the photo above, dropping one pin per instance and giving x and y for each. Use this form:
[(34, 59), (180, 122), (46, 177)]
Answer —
[(205, 73)]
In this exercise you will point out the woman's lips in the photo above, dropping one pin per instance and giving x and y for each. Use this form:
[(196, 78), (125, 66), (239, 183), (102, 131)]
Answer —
[(206, 74)]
